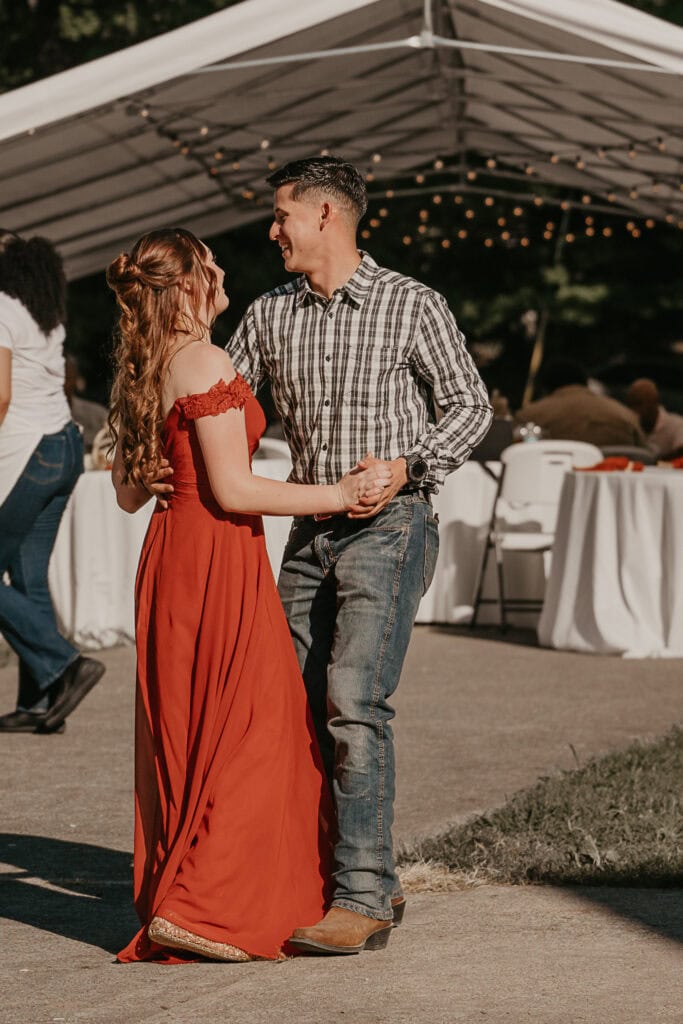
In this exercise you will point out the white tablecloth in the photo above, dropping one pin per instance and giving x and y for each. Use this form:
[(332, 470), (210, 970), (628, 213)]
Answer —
[(616, 581)]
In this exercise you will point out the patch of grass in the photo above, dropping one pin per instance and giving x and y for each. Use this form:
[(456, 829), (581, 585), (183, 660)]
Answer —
[(616, 821)]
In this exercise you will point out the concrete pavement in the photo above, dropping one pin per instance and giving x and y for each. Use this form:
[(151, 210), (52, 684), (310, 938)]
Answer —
[(478, 718)]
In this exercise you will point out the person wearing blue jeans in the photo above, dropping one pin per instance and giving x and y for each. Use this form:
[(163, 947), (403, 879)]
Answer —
[(41, 458), (355, 353)]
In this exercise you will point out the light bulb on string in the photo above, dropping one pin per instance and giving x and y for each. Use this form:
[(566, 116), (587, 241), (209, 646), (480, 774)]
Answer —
[(569, 238), (419, 179), (635, 233), (554, 158), (264, 144), (469, 214), (376, 158), (488, 242), (272, 164), (590, 231), (218, 155), (505, 235), (661, 145), (547, 235), (383, 212), (446, 243), (524, 242), (632, 153), (585, 199), (489, 201), (438, 164), (422, 229), (369, 176), (457, 200), (407, 240), (471, 175), (424, 215), (389, 193), (375, 222), (501, 222), (235, 165), (633, 193), (669, 218), (324, 152), (580, 163), (600, 153), (518, 211), (247, 194), (565, 204), (528, 169), (437, 200), (204, 130), (649, 223), (462, 233), (630, 225), (365, 233), (607, 232), (537, 201), (185, 149), (610, 197), (491, 163)]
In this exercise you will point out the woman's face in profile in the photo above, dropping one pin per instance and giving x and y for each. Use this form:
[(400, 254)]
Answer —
[(221, 300)]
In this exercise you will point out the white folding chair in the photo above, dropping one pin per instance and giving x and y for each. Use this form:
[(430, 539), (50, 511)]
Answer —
[(525, 511), (272, 448)]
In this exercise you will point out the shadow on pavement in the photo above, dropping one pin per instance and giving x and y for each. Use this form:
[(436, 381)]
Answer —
[(76, 890), (658, 910), (511, 635)]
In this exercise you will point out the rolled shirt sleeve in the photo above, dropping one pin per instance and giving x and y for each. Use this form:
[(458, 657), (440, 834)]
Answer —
[(440, 358)]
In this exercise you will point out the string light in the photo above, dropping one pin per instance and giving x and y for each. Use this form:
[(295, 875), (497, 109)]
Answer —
[(365, 233), (633, 193), (264, 144), (437, 200), (491, 163), (369, 176), (424, 215), (632, 153), (422, 229), (462, 233), (501, 222), (538, 201), (218, 155), (547, 235), (383, 212), (324, 152), (601, 153), (590, 232), (419, 178), (376, 158), (438, 164), (569, 238), (374, 222), (457, 200), (524, 242), (235, 165), (469, 214), (489, 201), (204, 130), (554, 158), (518, 211), (607, 232), (389, 193), (488, 242), (505, 235), (661, 145), (407, 240), (471, 175), (528, 169), (649, 223), (580, 164), (585, 199), (247, 194), (446, 243)]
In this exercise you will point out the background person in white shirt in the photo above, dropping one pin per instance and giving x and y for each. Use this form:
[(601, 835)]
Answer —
[(41, 458)]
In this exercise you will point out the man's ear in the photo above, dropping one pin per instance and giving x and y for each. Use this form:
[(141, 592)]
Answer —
[(325, 214)]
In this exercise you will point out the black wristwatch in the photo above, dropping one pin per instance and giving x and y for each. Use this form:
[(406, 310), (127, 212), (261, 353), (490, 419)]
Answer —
[(416, 469)]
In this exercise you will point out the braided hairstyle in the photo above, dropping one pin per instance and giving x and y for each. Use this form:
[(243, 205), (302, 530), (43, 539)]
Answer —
[(164, 288)]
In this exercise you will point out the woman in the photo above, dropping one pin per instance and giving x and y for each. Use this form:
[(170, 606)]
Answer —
[(41, 458), (229, 852)]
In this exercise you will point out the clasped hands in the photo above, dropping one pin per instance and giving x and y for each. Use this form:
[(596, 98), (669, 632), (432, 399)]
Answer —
[(371, 485)]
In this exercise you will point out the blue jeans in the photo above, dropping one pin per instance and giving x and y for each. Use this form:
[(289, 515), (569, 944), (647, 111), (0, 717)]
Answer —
[(351, 590), (29, 520)]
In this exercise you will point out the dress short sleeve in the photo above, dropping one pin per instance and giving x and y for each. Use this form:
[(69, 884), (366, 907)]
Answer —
[(219, 398)]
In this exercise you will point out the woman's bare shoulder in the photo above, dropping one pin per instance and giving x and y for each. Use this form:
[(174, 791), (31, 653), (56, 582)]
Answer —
[(196, 367)]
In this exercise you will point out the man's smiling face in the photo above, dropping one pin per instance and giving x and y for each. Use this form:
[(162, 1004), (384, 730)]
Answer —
[(296, 229)]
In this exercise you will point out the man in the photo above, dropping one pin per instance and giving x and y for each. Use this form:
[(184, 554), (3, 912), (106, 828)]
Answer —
[(663, 429), (572, 412), (354, 353)]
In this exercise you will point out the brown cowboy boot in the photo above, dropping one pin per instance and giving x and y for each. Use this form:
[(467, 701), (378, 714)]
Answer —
[(342, 931)]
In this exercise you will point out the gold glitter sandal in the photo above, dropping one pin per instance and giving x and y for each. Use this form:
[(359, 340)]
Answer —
[(165, 933)]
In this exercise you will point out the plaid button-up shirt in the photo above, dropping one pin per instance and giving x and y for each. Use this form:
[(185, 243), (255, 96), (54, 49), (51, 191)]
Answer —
[(356, 373)]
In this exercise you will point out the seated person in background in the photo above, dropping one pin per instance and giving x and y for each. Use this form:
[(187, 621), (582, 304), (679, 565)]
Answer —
[(572, 412), (90, 416), (663, 430)]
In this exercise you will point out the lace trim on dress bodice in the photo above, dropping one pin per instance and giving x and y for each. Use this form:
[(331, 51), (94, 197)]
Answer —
[(219, 398)]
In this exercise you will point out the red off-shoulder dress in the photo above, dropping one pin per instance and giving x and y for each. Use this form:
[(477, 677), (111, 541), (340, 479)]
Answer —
[(232, 810)]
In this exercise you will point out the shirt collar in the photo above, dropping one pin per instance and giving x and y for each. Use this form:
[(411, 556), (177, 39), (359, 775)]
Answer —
[(356, 288)]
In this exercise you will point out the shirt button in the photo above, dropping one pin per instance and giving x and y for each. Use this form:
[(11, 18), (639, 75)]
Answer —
[(327, 401), (327, 358), (330, 314), (324, 447)]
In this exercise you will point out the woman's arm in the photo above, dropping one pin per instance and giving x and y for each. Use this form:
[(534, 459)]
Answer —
[(223, 440), (5, 381)]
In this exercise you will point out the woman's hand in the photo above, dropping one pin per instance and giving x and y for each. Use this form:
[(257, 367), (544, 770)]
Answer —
[(363, 486)]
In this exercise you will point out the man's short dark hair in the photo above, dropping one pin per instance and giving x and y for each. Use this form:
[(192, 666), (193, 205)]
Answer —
[(326, 174)]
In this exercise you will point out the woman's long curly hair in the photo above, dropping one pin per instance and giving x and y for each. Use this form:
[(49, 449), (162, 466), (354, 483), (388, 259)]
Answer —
[(164, 288), (31, 270)]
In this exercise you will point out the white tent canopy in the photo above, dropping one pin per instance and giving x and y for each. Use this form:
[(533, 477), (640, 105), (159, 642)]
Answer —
[(583, 98)]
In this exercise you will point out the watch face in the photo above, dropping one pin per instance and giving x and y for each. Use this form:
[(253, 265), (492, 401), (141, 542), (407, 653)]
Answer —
[(417, 469)]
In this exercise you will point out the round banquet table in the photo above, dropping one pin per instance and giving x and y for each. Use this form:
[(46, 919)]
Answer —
[(616, 580)]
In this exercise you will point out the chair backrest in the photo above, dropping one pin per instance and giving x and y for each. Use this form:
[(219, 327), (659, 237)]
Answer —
[(272, 448), (631, 451), (535, 471), (498, 438)]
